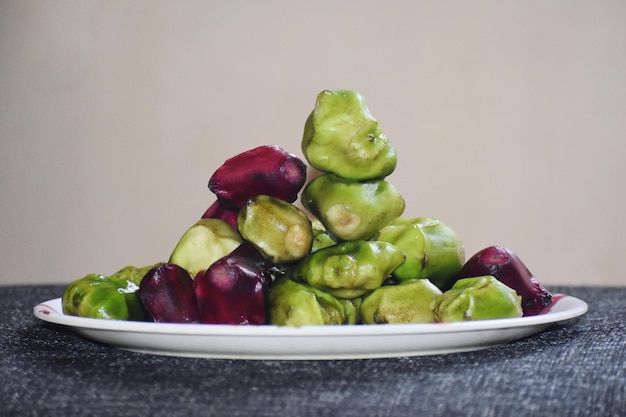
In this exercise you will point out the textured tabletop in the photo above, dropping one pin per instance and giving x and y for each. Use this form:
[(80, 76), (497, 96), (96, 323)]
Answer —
[(572, 369)]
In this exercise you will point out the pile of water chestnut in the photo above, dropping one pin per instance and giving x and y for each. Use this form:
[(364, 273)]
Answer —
[(344, 255)]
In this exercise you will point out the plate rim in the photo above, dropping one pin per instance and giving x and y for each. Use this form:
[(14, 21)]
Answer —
[(564, 308)]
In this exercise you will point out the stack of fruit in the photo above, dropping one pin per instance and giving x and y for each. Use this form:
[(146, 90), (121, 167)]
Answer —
[(256, 258)]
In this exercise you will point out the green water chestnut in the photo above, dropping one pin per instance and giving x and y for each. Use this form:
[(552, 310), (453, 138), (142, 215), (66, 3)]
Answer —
[(349, 269), (103, 297), (298, 304), (204, 243), (352, 210), (477, 298), (280, 231), (433, 250), (342, 137), (406, 302)]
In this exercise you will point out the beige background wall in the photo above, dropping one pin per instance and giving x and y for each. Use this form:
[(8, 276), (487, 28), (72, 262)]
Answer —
[(508, 117)]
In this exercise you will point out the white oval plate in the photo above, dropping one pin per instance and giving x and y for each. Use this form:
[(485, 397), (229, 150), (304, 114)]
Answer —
[(310, 342)]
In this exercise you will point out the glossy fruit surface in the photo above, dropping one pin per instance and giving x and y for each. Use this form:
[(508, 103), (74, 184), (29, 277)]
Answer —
[(349, 269), (352, 210), (279, 230), (166, 292), (477, 298), (233, 290), (342, 137), (203, 243), (218, 211), (508, 268), (407, 302), (433, 250), (266, 169)]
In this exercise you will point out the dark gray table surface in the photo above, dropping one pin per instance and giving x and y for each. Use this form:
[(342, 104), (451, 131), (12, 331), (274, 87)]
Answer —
[(572, 369)]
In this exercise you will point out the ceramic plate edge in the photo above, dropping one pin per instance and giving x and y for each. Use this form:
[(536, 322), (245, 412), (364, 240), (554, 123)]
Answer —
[(564, 308)]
